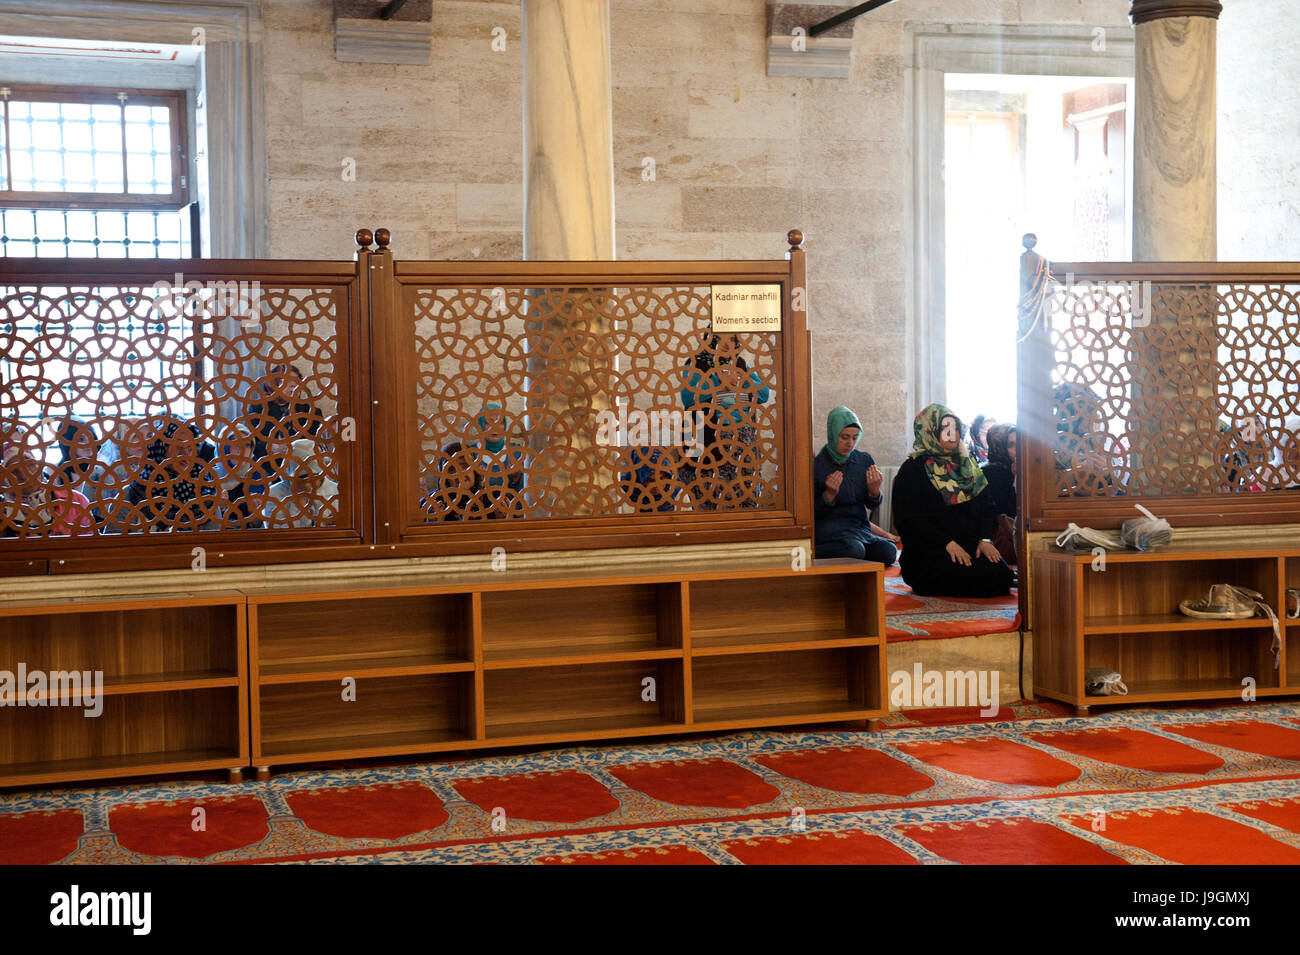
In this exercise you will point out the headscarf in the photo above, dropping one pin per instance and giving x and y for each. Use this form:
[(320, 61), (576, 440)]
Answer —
[(24, 507), (275, 402), (999, 438), (954, 474), (75, 472), (839, 419), (493, 446), (704, 359), (172, 483), (977, 444)]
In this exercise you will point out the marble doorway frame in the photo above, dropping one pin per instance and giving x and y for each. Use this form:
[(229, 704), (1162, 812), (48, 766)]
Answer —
[(931, 50), (231, 77)]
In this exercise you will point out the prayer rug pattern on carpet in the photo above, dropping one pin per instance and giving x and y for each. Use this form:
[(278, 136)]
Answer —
[(910, 617), (1143, 785)]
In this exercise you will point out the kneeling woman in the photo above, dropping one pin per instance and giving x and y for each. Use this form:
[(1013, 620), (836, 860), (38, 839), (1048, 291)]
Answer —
[(945, 516), (847, 485)]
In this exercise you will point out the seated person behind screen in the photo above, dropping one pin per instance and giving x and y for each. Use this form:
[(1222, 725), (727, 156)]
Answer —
[(240, 479), (1246, 464), (718, 376), (979, 441), (1000, 472), (130, 439), (288, 411), (847, 484), (652, 484), (175, 489), (303, 490), (84, 458), (944, 517), (452, 493), (32, 499), (501, 466), (1083, 463)]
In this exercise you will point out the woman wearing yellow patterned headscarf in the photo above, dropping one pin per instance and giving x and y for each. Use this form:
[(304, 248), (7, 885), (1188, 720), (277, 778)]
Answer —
[(952, 470), (944, 516)]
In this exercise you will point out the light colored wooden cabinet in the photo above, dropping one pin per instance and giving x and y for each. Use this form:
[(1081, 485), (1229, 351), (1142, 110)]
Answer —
[(513, 659), (174, 687), (1123, 615)]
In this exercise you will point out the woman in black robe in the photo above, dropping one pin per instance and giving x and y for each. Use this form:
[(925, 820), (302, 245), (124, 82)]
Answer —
[(944, 517)]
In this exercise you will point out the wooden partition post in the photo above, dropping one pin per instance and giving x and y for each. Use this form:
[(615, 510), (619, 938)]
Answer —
[(801, 427)]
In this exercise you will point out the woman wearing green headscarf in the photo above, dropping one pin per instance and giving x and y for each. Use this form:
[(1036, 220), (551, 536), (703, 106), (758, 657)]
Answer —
[(944, 516), (501, 465), (847, 486)]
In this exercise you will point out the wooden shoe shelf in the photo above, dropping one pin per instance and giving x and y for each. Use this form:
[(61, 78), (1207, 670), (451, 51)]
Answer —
[(174, 687), (1125, 618), (266, 678), (509, 660)]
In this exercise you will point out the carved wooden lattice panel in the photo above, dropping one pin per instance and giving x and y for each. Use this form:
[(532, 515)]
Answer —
[(550, 403), (1165, 389), (132, 409)]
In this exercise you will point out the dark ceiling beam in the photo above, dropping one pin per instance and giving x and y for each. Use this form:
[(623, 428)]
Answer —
[(850, 14)]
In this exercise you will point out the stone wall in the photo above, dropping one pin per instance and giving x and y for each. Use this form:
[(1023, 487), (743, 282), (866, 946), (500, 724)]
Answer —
[(1259, 93), (739, 158)]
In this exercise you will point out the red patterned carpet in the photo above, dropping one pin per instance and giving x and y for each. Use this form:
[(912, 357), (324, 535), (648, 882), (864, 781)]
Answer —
[(1150, 785), (909, 617)]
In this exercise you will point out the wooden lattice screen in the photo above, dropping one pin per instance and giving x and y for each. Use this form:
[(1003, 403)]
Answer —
[(1174, 386), (285, 411)]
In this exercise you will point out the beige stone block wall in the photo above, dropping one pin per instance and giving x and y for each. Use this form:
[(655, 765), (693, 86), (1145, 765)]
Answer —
[(740, 158), (438, 148), (1259, 93)]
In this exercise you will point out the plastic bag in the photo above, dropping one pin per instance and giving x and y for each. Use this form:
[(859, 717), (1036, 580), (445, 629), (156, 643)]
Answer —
[(1075, 537), (1138, 533), (1098, 681), (1143, 533)]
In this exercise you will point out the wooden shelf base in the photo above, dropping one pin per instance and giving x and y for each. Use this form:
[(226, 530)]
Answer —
[(705, 646), (780, 714), (107, 767), (587, 727), (362, 745)]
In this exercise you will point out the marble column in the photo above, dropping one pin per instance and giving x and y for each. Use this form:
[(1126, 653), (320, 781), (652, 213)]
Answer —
[(568, 215), (568, 131), (1175, 220), (1174, 170)]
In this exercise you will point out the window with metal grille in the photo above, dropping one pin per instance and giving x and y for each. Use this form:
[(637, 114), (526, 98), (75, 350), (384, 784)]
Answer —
[(96, 173)]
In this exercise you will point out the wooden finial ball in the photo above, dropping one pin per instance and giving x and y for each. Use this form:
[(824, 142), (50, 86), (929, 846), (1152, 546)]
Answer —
[(1029, 240), (381, 238), (364, 238), (795, 237)]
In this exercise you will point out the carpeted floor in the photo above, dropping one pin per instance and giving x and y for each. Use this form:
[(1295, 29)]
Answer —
[(1218, 785), (909, 617)]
